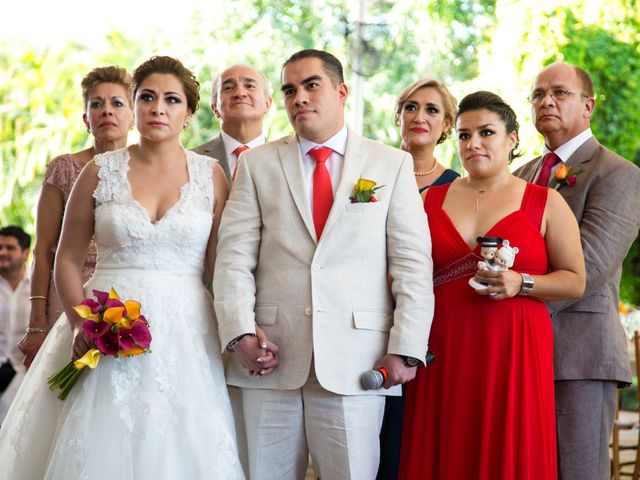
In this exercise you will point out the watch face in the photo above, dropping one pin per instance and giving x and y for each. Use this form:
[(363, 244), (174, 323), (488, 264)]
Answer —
[(411, 362)]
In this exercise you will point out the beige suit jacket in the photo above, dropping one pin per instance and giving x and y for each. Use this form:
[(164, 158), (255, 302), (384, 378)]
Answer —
[(329, 301), (215, 149), (589, 341)]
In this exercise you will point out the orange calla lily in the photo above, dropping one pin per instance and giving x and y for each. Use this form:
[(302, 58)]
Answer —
[(132, 352), (133, 309), (113, 315)]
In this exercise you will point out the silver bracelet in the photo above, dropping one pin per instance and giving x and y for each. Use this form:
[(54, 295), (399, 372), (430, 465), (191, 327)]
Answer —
[(37, 330)]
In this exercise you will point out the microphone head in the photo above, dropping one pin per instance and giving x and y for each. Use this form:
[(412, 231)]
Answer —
[(371, 380)]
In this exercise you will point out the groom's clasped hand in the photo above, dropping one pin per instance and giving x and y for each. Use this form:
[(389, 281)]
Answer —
[(257, 353)]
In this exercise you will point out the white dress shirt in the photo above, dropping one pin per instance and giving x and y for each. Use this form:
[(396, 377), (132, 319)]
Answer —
[(14, 318), (567, 149), (338, 143), (230, 144)]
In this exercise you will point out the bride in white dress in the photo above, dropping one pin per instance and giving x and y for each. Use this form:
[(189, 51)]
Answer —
[(154, 209)]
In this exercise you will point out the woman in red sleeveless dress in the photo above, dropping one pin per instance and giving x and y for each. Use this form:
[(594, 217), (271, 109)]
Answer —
[(484, 409)]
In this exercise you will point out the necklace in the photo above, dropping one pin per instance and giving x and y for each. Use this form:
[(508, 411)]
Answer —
[(428, 172), (480, 194)]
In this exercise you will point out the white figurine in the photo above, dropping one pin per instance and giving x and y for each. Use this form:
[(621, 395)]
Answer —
[(496, 258)]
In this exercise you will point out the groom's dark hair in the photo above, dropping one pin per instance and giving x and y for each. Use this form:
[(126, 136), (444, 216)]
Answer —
[(330, 64)]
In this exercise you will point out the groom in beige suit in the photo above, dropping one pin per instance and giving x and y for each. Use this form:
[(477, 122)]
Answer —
[(336, 294), (590, 350)]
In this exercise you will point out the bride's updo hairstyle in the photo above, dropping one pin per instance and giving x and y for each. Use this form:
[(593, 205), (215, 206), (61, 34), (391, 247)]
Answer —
[(173, 66), (483, 100)]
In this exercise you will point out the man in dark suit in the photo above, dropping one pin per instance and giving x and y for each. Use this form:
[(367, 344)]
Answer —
[(603, 190), (240, 99)]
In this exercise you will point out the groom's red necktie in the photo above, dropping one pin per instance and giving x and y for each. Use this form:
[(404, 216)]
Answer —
[(237, 152), (322, 190), (549, 161)]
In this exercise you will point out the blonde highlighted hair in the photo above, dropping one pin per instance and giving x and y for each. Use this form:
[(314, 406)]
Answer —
[(449, 102)]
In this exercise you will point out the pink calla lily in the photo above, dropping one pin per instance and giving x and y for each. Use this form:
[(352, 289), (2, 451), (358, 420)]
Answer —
[(126, 340), (93, 330), (93, 305), (114, 302), (101, 296), (108, 343), (140, 333)]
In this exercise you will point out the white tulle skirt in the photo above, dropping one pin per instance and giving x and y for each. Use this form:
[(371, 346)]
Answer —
[(162, 415)]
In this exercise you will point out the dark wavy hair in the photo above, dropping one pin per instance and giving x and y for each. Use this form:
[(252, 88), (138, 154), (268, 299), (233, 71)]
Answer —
[(163, 64), (483, 100)]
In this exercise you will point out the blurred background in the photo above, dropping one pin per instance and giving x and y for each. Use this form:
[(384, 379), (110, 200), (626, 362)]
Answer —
[(499, 45)]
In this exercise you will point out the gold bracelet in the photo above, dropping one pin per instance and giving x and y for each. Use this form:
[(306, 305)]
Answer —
[(36, 330), (37, 297)]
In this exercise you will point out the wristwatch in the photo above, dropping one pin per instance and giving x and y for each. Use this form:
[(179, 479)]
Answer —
[(234, 343), (527, 284), (411, 362)]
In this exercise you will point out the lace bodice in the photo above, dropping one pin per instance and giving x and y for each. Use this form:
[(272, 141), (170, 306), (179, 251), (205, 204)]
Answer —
[(125, 235)]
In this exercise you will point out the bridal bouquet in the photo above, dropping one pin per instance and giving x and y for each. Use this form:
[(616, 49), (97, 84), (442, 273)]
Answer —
[(116, 328)]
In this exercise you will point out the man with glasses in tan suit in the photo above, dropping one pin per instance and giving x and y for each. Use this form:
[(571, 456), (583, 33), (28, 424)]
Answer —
[(603, 190), (340, 286)]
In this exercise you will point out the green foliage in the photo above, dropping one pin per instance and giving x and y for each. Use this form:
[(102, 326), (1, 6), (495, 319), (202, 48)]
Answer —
[(612, 57), (468, 44)]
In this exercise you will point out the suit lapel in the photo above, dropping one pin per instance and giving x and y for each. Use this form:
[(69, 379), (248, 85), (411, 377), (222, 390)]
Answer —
[(291, 165), (580, 159), (219, 151), (351, 168)]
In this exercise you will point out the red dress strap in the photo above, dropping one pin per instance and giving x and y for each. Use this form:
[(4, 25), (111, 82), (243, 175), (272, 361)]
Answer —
[(434, 198), (534, 202)]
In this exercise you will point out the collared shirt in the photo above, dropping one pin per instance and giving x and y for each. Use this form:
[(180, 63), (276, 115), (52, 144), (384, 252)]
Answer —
[(14, 318), (338, 143), (230, 144), (567, 149)]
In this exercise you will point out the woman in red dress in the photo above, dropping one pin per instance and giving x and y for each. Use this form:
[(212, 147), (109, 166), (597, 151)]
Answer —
[(485, 408)]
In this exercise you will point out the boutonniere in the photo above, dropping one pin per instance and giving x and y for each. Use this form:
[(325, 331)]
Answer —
[(363, 191), (566, 176)]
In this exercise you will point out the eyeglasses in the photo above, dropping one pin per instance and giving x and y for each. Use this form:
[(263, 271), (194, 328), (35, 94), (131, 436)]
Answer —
[(559, 94)]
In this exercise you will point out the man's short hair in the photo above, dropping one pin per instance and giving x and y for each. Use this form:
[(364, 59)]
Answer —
[(215, 88), (330, 64), (24, 240), (586, 80)]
